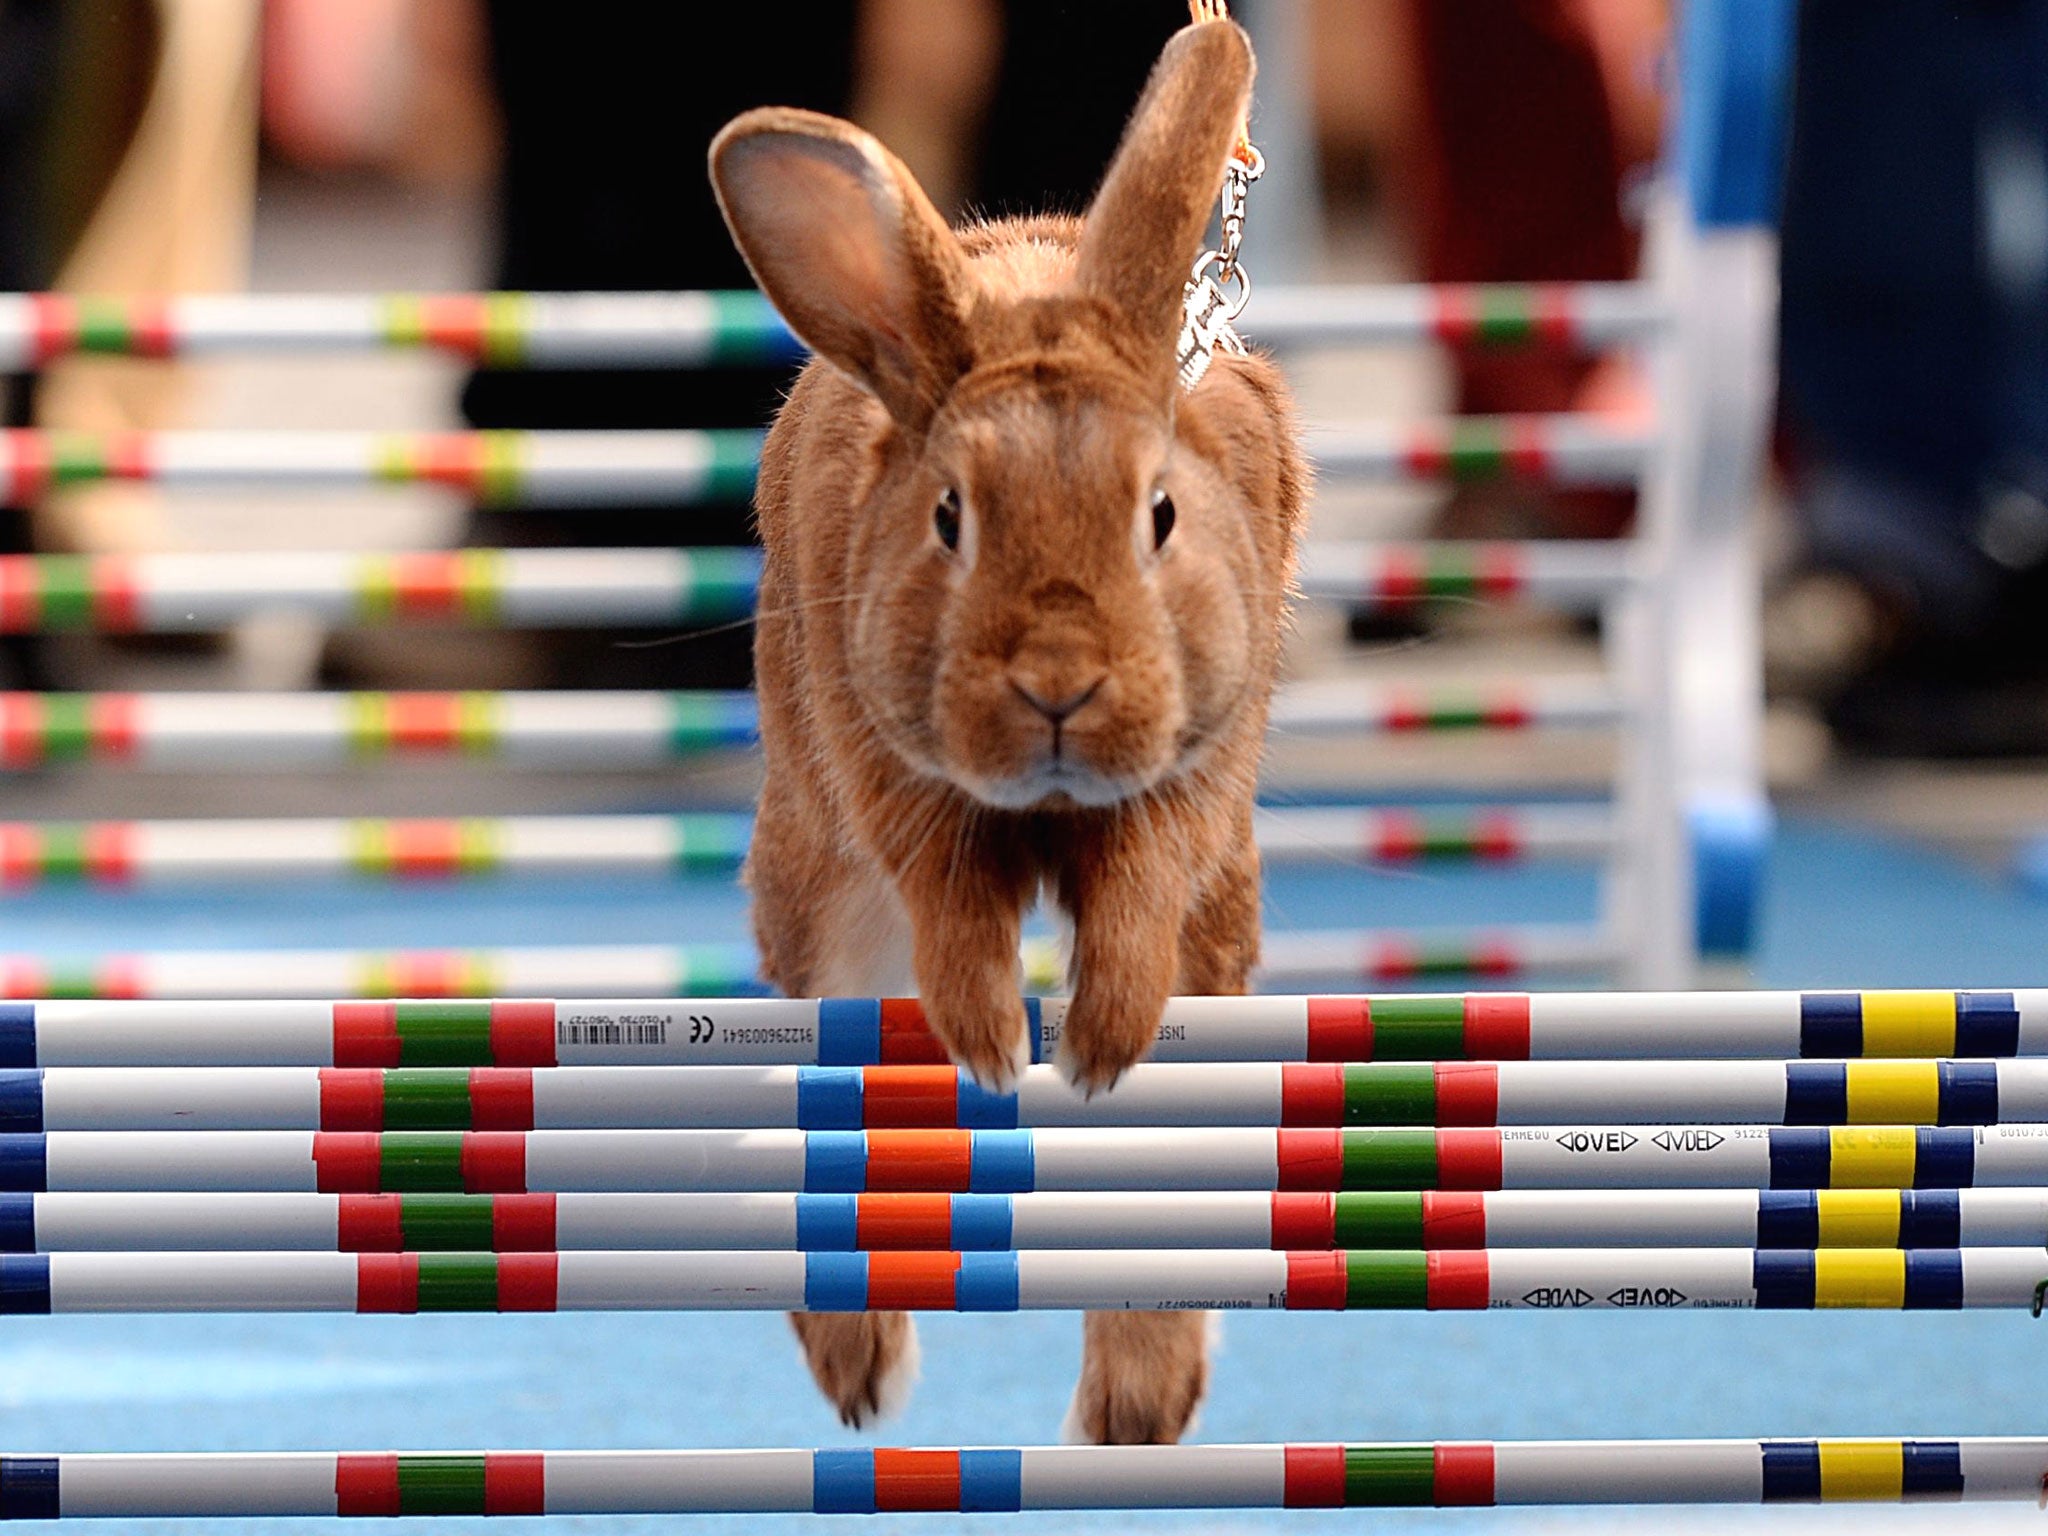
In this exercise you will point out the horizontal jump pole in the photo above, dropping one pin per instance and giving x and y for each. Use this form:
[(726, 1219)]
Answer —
[(722, 328), (1293, 1219), (1031, 1280), (864, 1481), (188, 592), (187, 851), (1477, 1093), (287, 731), (523, 469), (1291, 959), (1022, 1161), (484, 588), (608, 728), (861, 1032), (635, 468), (1577, 575)]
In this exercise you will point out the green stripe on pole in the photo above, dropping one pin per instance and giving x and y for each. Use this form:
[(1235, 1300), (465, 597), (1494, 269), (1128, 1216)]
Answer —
[(455, 1223), (1375, 1220), (62, 853), (1455, 712), (1389, 1093), (1378, 1476), (1506, 316), (1418, 1028), (1391, 1282), (1449, 572), (1477, 451), (710, 844), (1446, 959), (1404, 1159), (64, 591), (419, 1162), (443, 1034), (76, 457), (442, 1485), (722, 583), (426, 1099), (1447, 837), (71, 979), (734, 458), (458, 1282), (67, 727), (745, 328)]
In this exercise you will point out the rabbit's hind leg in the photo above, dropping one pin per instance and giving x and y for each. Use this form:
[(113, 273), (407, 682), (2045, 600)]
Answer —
[(864, 1362)]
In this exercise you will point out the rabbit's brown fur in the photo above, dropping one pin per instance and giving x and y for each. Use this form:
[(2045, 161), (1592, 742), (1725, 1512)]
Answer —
[(1060, 704)]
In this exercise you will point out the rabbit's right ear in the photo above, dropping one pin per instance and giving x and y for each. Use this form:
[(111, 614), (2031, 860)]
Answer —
[(850, 250)]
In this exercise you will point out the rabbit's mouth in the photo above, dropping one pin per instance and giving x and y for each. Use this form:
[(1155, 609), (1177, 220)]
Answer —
[(1054, 782)]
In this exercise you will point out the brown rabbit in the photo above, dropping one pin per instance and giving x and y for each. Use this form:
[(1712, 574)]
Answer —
[(1021, 611)]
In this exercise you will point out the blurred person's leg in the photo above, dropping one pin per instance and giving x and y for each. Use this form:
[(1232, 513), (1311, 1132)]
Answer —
[(1915, 362), (607, 110)]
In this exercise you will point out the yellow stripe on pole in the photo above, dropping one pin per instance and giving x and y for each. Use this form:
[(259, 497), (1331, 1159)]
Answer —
[(1859, 1277), (1894, 1092), (1909, 1024), (1862, 1469), (1859, 1158), (1859, 1218)]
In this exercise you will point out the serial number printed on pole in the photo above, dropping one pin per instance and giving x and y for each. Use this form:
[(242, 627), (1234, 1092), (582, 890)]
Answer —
[(625, 1029)]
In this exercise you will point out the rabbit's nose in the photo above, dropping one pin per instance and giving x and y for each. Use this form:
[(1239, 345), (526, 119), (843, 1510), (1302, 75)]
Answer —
[(1055, 698)]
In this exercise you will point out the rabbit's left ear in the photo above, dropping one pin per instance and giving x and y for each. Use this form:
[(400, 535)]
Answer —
[(1146, 224)]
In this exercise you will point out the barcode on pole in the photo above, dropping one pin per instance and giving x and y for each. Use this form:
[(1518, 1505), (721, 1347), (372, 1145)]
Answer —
[(611, 1032)]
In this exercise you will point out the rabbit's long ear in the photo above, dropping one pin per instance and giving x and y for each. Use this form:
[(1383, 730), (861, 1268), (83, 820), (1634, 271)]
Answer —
[(1147, 221), (842, 239)]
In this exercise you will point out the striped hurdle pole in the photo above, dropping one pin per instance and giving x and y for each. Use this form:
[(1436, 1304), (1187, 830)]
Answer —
[(558, 588), (172, 853), (1286, 1220), (284, 731), (1565, 316), (1578, 576), (1336, 706), (497, 330), (1030, 1280), (863, 1481), (861, 1032), (1554, 450), (500, 469), (1307, 1094), (1025, 1161), (718, 970), (513, 588)]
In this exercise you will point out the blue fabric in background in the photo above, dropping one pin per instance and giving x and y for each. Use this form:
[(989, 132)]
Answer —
[(1845, 909)]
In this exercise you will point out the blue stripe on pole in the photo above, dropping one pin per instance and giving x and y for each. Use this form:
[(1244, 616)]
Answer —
[(24, 1162), (987, 1282), (24, 1284), (827, 1223), (21, 1099), (849, 1031), (828, 1098), (843, 1482), (1783, 1278), (17, 1034), (980, 1110), (984, 1223), (1791, 1471), (1830, 1024), (1816, 1093), (1944, 1158), (836, 1282), (1934, 1281), (17, 1223), (1987, 1024), (1967, 1093), (991, 1482), (1930, 1218), (28, 1488), (1800, 1158), (1735, 67), (1787, 1218), (1001, 1163), (835, 1162), (1933, 1470), (1034, 1021)]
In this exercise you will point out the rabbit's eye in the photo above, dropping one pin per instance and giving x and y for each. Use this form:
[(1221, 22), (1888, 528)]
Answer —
[(946, 518), (1162, 518)]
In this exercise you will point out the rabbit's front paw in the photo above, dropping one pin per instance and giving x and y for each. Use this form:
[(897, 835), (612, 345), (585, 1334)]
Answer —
[(1105, 1035), (865, 1362), (992, 1042), (1142, 1377)]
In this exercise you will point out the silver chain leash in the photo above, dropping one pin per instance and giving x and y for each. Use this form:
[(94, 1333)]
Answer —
[(1208, 310)]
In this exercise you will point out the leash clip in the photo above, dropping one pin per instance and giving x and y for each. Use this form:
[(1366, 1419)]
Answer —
[(1209, 311)]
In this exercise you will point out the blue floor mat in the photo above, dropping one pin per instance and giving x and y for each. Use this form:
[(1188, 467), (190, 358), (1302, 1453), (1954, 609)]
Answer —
[(1846, 909)]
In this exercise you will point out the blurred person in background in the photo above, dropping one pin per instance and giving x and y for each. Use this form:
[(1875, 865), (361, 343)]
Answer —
[(1915, 373)]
